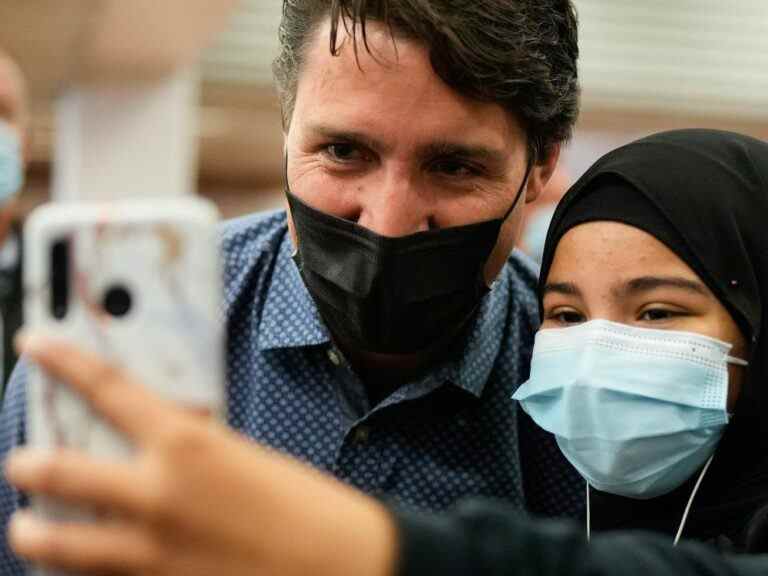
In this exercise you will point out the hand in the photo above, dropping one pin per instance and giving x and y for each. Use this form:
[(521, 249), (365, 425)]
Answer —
[(195, 499)]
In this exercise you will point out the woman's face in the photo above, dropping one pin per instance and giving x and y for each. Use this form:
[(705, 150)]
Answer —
[(612, 271)]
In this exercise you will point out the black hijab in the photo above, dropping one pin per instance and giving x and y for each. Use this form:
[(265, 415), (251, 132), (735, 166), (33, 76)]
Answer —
[(704, 194)]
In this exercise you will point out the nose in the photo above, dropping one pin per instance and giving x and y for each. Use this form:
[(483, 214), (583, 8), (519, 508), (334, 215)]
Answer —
[(397, 205)]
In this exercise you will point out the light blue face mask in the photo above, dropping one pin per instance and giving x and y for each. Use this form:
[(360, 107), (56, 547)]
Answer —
[(636, 411), (11, 164)]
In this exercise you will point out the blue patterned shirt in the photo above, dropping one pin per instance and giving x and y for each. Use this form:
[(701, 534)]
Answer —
[(450, 434)]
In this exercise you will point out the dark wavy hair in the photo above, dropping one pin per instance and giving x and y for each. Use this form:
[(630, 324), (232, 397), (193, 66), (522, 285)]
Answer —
[(520, 54)]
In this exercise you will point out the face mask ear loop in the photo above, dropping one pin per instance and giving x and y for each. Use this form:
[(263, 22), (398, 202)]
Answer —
[(520, 190), (690, 500), (286, 188), (287, 191), (736, 361), (589, 517)]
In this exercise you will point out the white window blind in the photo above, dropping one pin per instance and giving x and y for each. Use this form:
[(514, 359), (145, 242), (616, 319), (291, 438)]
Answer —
[(694, 56), (243, 54)]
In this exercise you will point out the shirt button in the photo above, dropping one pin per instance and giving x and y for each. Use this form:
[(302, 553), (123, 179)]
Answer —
[(334, 357), (362, 433)]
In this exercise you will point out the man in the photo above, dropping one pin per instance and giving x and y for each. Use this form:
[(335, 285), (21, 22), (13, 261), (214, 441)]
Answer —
[(13, 139), (363, 338)]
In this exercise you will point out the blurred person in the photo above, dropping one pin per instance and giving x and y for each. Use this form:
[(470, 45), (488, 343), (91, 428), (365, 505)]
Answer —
[(650, 368), (651, 364), (540, 214), (14, 138), (363, 336)]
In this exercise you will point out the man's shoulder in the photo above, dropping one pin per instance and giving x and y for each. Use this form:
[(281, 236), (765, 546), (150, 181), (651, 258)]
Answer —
[(524, 277), (250, 247), (520, 283), (261, 231)]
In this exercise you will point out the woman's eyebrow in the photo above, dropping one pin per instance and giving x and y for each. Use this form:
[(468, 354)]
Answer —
[(565, 288), (649, 283)]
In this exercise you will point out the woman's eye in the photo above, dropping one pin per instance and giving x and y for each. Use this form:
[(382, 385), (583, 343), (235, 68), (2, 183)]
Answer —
[(658, 314), (566, 317)]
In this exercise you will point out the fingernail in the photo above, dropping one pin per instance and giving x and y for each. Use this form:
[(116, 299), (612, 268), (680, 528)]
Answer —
[(23, 463), (26, 529)]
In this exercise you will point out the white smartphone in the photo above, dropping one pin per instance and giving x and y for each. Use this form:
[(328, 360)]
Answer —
[(137, 282)]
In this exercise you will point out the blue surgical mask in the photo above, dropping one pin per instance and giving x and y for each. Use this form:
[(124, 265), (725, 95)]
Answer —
[(11, 164), (636, 411)]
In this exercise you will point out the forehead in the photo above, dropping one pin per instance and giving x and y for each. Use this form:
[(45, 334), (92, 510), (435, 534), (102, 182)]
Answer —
[(390, 87), (604, 253)]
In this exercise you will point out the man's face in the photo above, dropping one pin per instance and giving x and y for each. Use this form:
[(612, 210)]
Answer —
[(388, 145)]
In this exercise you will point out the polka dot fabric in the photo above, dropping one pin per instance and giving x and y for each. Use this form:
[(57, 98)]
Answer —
[(450, 435)]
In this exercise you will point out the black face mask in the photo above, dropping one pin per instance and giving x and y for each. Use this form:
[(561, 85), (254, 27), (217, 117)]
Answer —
[(392, 295)]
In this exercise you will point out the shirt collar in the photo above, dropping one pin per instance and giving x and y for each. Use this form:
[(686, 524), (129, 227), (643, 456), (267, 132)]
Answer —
[(290, 319), (471, 369)]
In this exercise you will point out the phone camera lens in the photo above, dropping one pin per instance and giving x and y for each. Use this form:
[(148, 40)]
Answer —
[(59, 274), (117, 301)]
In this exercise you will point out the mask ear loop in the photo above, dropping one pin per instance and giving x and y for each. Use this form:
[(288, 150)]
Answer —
[(286, 188), (523, 184), (287, 191), (690, 500)]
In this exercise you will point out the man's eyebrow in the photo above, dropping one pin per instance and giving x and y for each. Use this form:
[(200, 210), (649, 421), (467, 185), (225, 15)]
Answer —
[(342, 135), (565, 288), (648, 283), (461, 150)]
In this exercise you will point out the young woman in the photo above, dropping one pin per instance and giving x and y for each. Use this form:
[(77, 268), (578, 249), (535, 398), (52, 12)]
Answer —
[(650, 368)]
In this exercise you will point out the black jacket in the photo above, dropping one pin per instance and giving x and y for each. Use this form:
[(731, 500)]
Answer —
[(484, 538)]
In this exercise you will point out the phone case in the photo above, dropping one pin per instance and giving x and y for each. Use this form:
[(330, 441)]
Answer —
[(143, 289)]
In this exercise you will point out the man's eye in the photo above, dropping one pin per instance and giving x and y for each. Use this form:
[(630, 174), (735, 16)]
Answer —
[(343, 152), (455, 168)]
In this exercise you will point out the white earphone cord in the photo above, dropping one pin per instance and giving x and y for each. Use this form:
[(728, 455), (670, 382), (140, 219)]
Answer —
[(690, 500), (685, 512)]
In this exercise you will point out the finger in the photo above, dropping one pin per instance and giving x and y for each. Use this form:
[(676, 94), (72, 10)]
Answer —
[(106, 546), (129, 406), (77, 479)]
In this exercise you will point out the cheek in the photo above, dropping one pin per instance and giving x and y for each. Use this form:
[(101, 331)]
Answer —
[(325, 192)]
